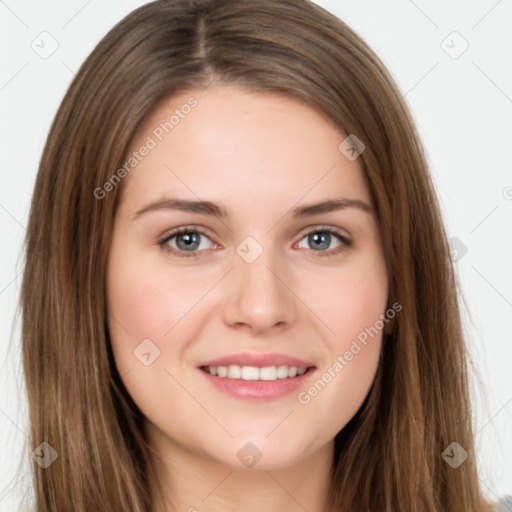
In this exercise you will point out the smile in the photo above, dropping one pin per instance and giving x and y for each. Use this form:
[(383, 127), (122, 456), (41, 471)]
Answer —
[(267, 373)]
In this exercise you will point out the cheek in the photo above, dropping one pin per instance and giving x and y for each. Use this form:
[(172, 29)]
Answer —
[(350, 300), (352, 308), (148, 306), (136, 308), (147, 297)]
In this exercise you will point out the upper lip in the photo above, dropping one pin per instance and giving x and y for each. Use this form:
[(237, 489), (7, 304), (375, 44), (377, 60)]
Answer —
[(258, 360)]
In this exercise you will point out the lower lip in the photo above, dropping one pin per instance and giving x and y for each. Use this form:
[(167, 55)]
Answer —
[(258, 389)]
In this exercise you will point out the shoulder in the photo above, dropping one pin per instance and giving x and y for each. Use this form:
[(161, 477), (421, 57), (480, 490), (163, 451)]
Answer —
[(504, 504)]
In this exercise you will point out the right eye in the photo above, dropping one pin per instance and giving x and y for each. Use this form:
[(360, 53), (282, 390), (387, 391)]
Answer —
[(184, 242)]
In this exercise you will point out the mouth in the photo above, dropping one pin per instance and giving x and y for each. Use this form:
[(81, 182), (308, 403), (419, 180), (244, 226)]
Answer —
[(252, 373), (257, 376)]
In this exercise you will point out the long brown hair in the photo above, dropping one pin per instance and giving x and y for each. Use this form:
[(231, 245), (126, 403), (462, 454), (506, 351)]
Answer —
[(388, 458)]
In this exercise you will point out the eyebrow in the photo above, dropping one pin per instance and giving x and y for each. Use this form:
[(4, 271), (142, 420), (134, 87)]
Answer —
[(213, 209)]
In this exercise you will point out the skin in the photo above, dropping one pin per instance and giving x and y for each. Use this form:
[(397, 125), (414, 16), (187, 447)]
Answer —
[(260, 156)]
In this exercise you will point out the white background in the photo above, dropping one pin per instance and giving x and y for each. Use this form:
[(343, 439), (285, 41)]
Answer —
[(463, 108)]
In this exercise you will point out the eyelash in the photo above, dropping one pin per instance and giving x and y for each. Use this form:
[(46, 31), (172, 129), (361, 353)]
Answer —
[(345, 242)]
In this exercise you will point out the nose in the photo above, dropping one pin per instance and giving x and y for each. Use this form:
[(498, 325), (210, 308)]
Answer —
[(259, 296)]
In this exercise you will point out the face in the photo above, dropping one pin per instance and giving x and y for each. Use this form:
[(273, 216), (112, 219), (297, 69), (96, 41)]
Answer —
[(239, 310)]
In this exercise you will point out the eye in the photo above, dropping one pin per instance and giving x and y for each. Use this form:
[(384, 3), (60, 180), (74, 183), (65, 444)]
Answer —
[(188, 241), (184, 242), (321, 238)]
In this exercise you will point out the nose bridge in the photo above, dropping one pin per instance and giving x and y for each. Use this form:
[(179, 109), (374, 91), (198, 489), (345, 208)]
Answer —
[(258, 296)]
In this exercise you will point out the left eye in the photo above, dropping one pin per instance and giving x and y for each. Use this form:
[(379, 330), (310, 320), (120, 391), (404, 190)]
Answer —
[(320, 240)]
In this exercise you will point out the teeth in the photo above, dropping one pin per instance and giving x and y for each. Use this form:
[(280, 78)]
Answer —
[(253, 373)]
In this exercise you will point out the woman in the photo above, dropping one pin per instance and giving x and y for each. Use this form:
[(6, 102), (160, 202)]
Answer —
[(218, 379)]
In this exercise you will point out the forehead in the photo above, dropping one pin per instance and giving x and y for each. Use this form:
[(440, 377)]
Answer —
[(227, 143)]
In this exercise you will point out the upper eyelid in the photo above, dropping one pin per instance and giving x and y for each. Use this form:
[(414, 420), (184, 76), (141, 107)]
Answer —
[(326, 227), (184, 229)]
